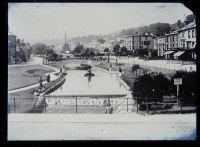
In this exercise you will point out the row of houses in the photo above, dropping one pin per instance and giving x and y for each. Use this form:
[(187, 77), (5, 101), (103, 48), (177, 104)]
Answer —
[(178, 44), (18, 50)]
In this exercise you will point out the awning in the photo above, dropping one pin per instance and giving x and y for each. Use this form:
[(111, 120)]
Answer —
[(194, 45), (179, 53), (168, 52)]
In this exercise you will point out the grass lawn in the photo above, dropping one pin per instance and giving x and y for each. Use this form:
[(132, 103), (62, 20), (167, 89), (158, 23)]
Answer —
[(21, 76), (25, 100)]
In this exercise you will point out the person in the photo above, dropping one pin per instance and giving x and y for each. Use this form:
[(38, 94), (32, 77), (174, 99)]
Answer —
[(116, 61), (40, 81), (110, 67), (120, 70), (48, 78), (61, 70)]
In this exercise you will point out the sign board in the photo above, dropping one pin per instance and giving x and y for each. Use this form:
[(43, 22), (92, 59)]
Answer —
[(178, 81)]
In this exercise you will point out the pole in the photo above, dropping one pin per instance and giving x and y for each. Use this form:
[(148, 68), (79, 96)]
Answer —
[(177, 93), (14, 106), (76, 105), (147, 106), (137, 104), (44, 105), (127, 104)]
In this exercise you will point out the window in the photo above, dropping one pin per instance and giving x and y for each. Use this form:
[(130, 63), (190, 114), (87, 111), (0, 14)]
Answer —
[(192, 33), (188, 34), (9, 40)]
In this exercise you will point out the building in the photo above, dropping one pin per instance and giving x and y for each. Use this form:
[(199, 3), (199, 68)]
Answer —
[(187, 39), (170, 44), (138, 41), (178, 44), (127, 41), (11, 48), (159, 45)]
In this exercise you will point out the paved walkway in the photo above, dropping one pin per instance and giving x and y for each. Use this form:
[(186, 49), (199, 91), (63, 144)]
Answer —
[(101, 127), (158, 63), (35, 61)]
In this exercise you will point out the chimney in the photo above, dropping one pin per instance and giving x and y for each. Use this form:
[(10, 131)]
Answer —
[(186, 21)]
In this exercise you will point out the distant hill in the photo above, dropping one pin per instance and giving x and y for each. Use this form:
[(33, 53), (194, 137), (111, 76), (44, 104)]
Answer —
[(155, 28)]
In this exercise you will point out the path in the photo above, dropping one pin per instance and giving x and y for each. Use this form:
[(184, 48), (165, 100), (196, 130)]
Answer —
[(35, 61), (101, 127)]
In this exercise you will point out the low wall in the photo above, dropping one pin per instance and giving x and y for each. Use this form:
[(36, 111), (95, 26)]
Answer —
[(118, 78)]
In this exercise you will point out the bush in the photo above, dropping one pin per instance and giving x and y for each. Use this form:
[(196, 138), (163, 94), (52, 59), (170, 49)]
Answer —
[(153, 85), (188, 89)]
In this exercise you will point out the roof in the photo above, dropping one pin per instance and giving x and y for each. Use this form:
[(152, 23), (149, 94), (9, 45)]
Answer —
[(11, 34), (168, 52), (190, 25), (179, 53)]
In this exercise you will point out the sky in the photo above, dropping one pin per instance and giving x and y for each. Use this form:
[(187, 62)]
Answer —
[(37, 21)]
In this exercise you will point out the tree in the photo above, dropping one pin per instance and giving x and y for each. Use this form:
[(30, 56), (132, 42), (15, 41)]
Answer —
[(135, 67), (179, 24), (190, 17), (106, 50), (40, 48), (116, 49), (79, 49), (153, 85), (141, 52), (87, 52), (123, 51)]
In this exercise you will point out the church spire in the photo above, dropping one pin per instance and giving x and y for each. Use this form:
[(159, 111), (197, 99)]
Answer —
[(65, 38)]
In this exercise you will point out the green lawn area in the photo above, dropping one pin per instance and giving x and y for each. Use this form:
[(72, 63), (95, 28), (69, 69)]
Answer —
[(25, 100), (21, 76)]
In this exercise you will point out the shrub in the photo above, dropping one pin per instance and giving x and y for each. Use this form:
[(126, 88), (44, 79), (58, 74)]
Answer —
[(153, 85)]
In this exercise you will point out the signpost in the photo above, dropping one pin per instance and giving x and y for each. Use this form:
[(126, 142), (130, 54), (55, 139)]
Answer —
[(177, 82)]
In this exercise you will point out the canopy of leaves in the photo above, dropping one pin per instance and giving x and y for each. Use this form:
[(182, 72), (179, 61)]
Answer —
[(116, 49), (79, 49), (151, 86), (106, 50)]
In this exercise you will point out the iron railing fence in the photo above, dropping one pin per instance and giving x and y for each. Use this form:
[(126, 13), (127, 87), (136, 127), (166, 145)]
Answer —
[(70, 104), (90, 104)]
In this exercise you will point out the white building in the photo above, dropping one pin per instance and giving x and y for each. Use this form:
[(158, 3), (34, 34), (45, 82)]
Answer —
[(159, 44)]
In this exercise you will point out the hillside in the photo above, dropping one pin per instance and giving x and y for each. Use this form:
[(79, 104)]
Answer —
[(157, 29)]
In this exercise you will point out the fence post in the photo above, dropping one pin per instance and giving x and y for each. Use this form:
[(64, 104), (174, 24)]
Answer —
[(44, 105), (147, 106), (14, 106), (137, 104), (76, 105), (127, 104)]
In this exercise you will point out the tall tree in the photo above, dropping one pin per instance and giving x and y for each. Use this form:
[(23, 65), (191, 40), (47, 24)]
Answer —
[(116, 49), (79, 49)]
